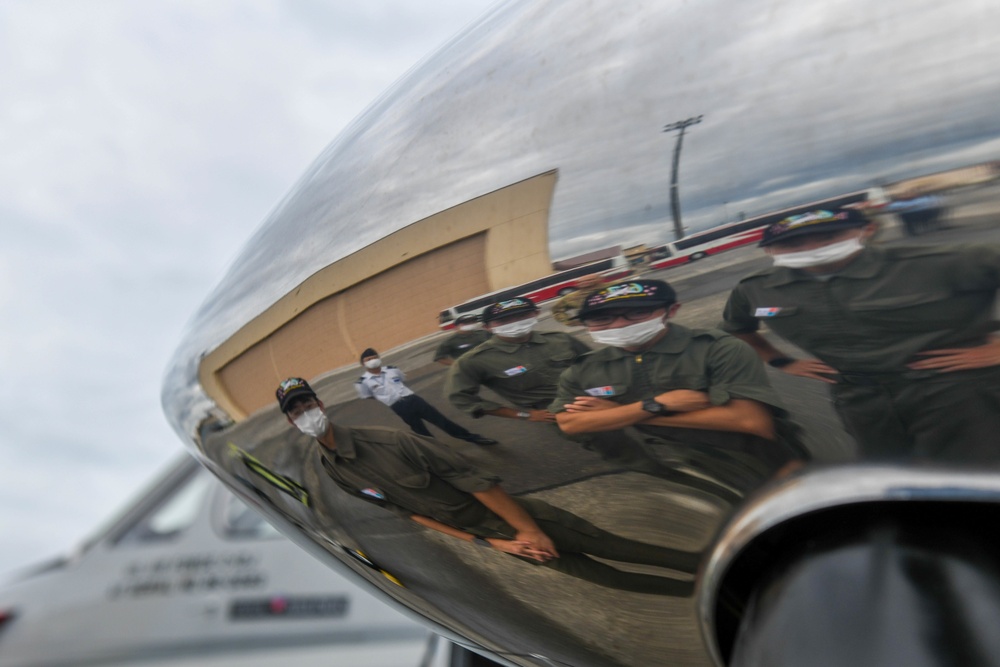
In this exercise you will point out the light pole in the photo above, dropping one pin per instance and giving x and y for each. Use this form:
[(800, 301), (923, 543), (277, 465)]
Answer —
[(675, 203)]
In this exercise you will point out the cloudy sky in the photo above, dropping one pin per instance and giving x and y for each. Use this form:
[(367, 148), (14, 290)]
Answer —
[(140, 145)]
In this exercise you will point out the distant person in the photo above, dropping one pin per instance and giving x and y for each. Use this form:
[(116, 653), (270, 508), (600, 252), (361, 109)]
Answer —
[(565, 309), (518, 363), (387, 386), (469, 335), (901, 334), (920, 213), (418, 478), (699, 389)]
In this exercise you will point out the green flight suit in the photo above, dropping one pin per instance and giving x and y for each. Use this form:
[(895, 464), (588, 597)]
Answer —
[(869, 320), (409, 474), (702, 360), (525, 374), (561, 309), (459, 343)]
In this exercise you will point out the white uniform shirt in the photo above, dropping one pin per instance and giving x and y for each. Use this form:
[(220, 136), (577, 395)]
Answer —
[(386, 386)]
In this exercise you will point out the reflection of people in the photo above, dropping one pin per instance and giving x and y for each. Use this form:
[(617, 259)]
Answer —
[(919, 213), (519, 364), (902, 334), (418, 478), (386, 385), (565, 309), (468, 336), (696, 388)]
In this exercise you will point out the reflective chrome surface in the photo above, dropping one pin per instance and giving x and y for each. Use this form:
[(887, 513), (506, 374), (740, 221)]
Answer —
[(838, 487), (798, 102)]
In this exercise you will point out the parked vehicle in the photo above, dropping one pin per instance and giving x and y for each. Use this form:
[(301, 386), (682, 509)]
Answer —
[(719, 239), (540, 290)]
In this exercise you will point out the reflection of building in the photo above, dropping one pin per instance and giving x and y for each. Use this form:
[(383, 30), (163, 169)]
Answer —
[(587, 258), (385, 294), (977, 174), (637, 255)]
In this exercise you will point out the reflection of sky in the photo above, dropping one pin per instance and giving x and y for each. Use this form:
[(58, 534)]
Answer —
[(800, 101), (140, 143)]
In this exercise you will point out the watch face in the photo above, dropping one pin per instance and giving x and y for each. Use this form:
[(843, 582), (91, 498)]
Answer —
[(652, 405)]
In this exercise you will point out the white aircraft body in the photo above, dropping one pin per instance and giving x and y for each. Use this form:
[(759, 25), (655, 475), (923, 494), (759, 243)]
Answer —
[(189, 574)]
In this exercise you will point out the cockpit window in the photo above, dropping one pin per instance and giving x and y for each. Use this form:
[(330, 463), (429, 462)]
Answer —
[(173, 514), (240, 521)]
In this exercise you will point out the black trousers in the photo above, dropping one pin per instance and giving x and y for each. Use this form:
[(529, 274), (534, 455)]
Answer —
[(574, 547), (415, 411), (577, 540)]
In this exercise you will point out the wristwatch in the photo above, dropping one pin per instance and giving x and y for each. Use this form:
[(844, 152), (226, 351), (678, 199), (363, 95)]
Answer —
[(780, 362), (521, 414), (482, 542), (653, 406)]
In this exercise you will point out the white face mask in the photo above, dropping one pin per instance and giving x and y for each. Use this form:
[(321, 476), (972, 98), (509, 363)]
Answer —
[(827, 254), (312, 422), (468, 327), (631, 335), (515, 329), (373, 363)]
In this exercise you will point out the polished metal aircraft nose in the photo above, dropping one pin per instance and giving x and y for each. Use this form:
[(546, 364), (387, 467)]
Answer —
[(543, 172)]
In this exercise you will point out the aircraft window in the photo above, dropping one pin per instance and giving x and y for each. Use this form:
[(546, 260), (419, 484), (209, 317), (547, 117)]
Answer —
[(173, 514), (240, 521)]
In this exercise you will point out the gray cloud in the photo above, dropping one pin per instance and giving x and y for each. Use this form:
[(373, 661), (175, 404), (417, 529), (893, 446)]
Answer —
[(140, 143)]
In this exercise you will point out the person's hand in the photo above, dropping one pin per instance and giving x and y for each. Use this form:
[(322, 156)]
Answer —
[(684, 400), (959, 359), (538, 543), (589, 403), (541, 416), (814, 369), (519, 548)]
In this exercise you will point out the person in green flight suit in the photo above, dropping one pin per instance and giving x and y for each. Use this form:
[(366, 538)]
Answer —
[(425, 481), (702, 391), (468, 336), (565, 310), (518, 363), (903, 335)]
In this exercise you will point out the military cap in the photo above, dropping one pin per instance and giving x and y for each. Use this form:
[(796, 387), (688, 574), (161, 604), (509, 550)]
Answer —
[(291, 389), (515, 306), (633, 294), (812, 222)]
